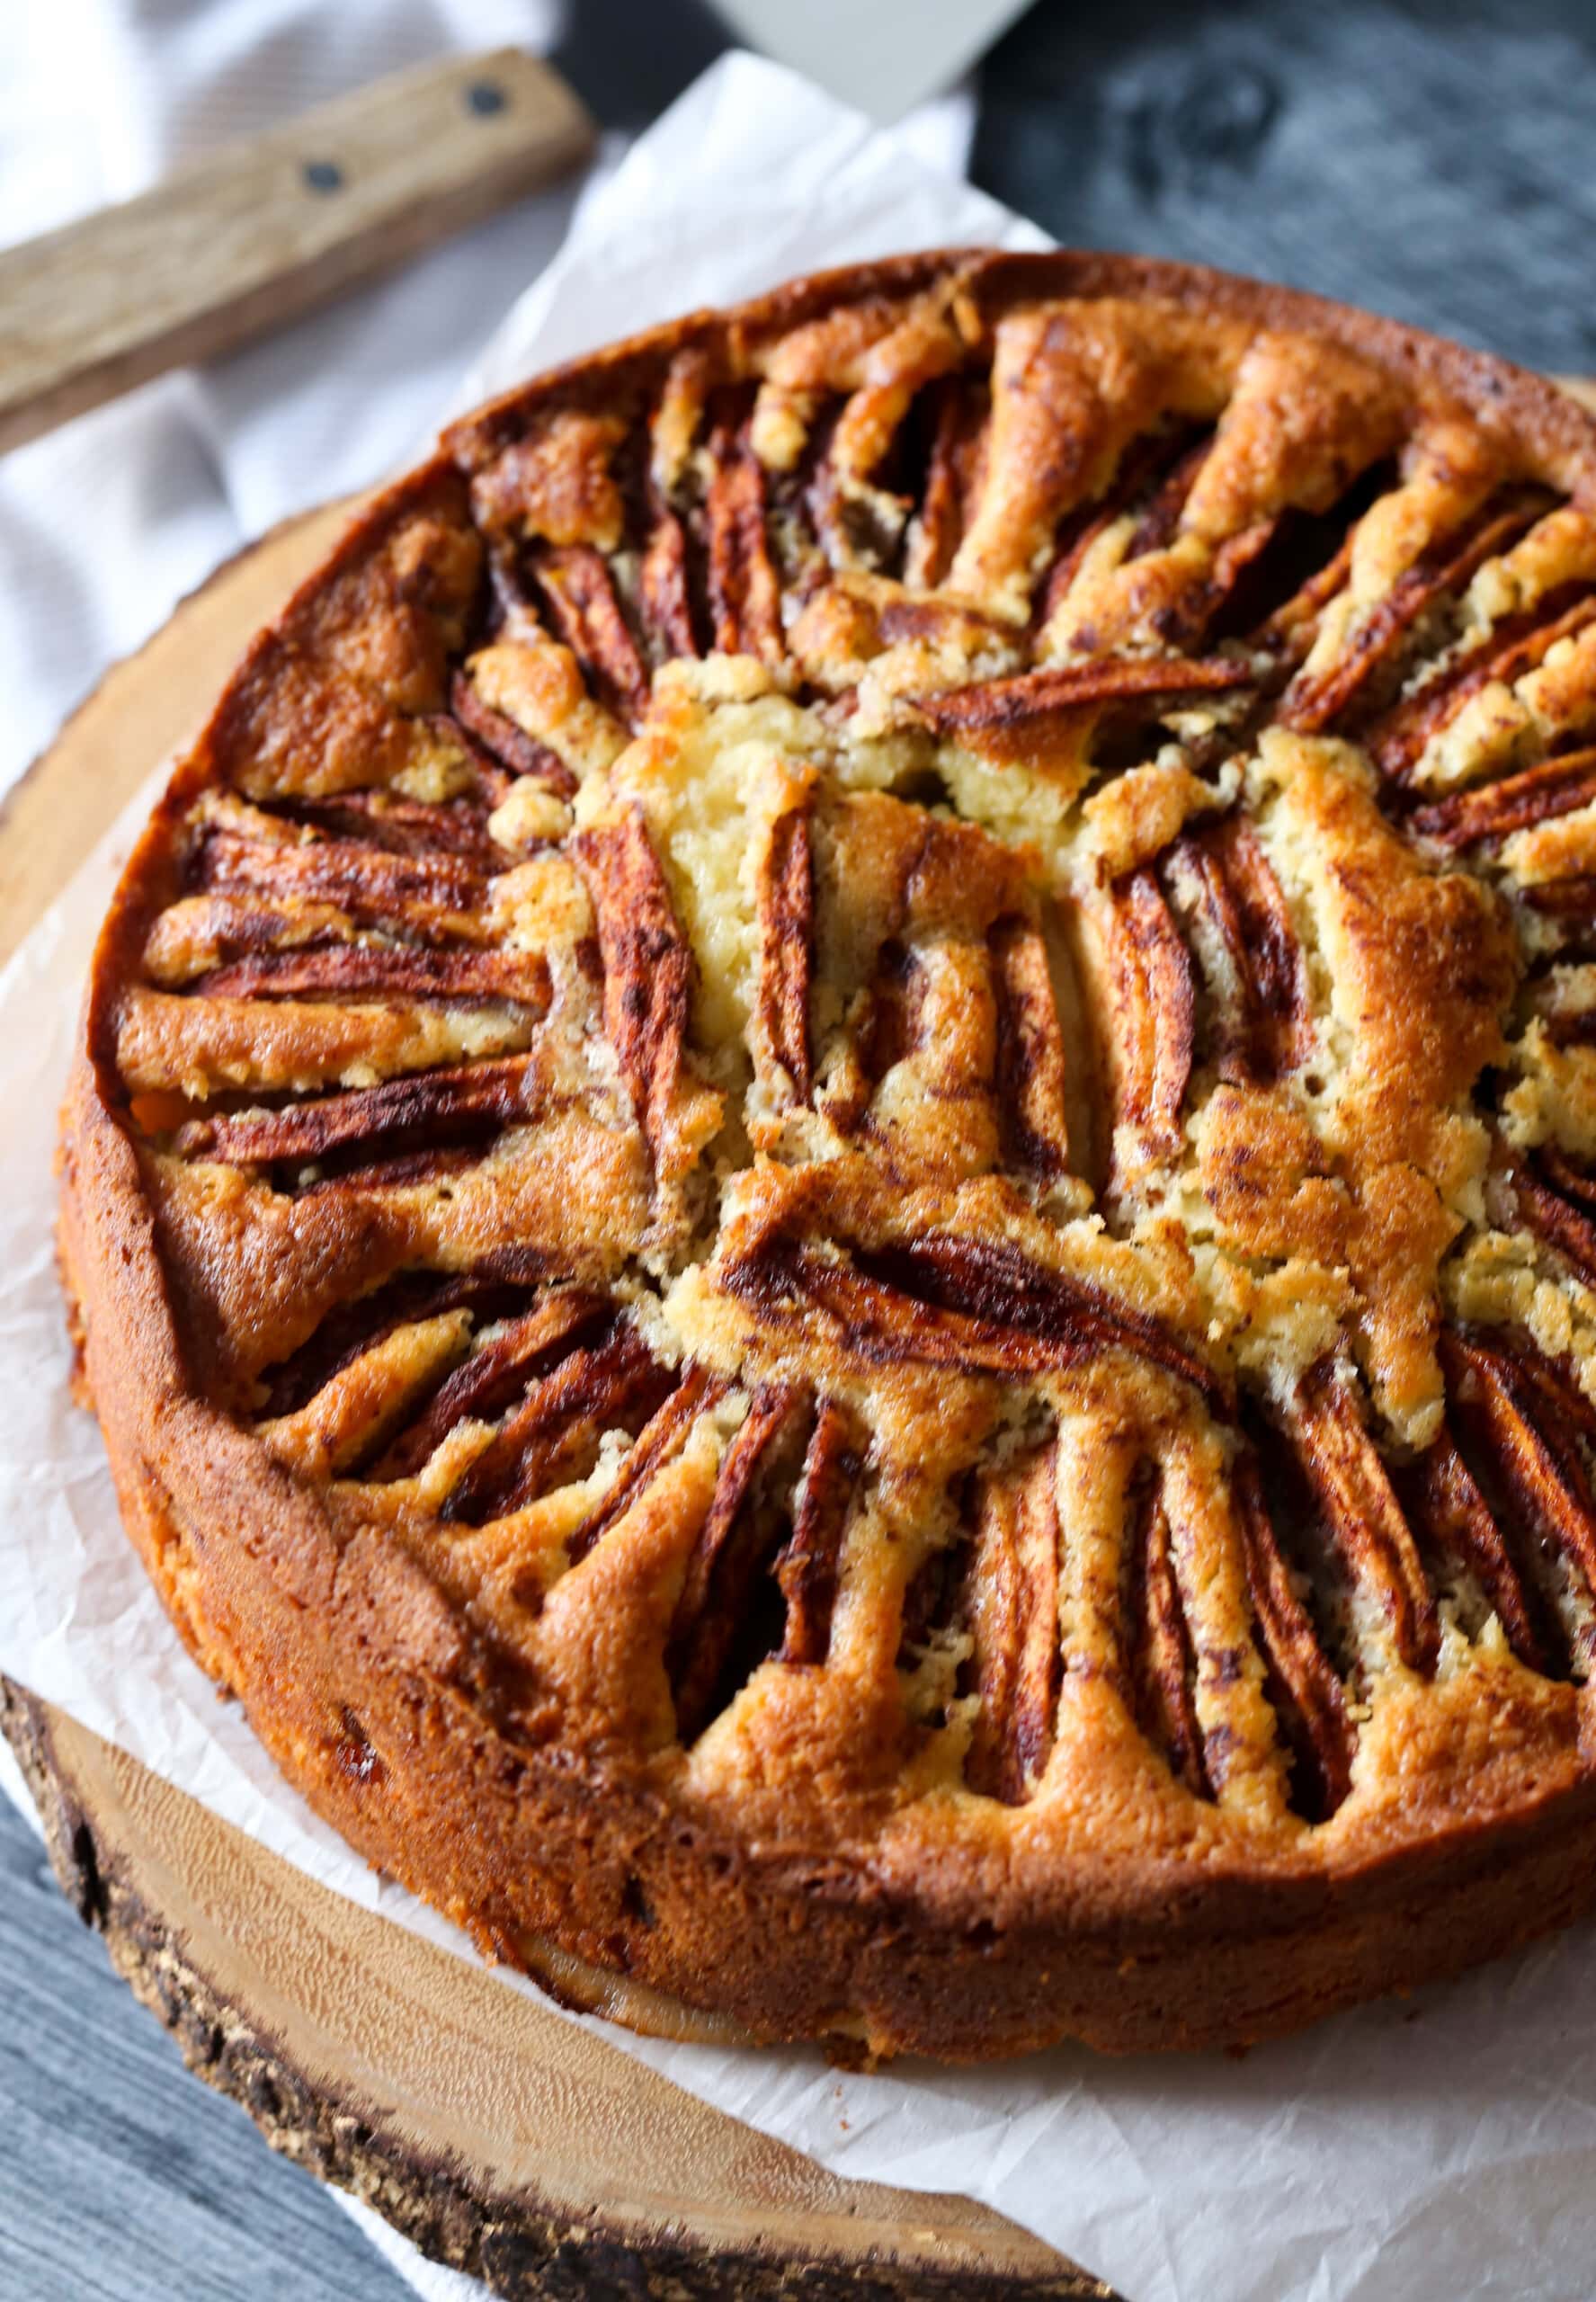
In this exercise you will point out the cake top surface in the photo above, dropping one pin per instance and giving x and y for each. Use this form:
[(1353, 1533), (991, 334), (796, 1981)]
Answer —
[(875, 1022)]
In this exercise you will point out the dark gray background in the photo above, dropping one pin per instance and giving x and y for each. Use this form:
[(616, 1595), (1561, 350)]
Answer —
[(1435, 159)]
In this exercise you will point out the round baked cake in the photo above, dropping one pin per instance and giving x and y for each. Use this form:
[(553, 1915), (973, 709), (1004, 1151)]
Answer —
[(832, 1191)]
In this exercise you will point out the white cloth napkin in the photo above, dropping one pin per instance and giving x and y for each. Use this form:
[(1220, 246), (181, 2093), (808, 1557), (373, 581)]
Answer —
[(1397, 2154)]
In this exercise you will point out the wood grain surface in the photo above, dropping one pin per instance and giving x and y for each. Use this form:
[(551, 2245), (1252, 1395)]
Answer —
[(498, 2135), (271, 227)]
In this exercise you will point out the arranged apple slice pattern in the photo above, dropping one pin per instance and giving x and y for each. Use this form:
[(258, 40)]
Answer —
[(884, 1025)]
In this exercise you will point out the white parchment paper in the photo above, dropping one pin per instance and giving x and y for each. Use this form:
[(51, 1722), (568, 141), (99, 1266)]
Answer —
[(1425, 2151)]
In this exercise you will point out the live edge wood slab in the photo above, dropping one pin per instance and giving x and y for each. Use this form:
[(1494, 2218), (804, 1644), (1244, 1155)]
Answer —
[(500, 2138)]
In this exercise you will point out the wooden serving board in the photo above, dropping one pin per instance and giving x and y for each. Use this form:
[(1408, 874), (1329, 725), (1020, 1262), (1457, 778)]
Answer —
[(496, 2134)]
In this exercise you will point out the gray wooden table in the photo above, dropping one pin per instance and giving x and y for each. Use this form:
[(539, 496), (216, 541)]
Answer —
[(1432, 158), (122, 2178)]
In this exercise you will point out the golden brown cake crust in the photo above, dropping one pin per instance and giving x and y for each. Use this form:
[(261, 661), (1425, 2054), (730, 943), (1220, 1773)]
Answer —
[(831, 1185)]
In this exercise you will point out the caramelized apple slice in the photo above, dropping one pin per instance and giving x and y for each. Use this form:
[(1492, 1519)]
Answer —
[(806, 1570), (367, 972), (1486, 816), (406, 826), (977, 1304), (951, 472), (664, 588), (786, 947), (1152, 1014), (1252, 956), (1161, 1661), (1030, 1083), (422, 1111), (351, 1329), (1318, 701), (886, 1025), (745, 594), (1515, 646), (375, 886), (648, 978), (1010, 1609), (553, 1436), (1362, 1516), (1011, 704), (1158, 457), (495, 1373), (719, 1624), (586, 611), (1304, 1690), (1445, 1504), (521, 752), (660, 1440), (1558, 1204), (1514, 1409)]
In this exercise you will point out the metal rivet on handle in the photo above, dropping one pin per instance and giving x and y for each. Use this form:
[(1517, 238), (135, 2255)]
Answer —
[(323, 175), (485, 97)]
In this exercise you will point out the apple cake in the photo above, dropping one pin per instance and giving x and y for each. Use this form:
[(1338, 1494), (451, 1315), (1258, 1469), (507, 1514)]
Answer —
[(831, 1189)]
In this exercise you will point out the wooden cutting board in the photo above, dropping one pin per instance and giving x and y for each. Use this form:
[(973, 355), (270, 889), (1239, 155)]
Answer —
[(499, 2136)]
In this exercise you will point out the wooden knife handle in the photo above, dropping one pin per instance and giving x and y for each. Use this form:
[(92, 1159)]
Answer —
[(266, 228)]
